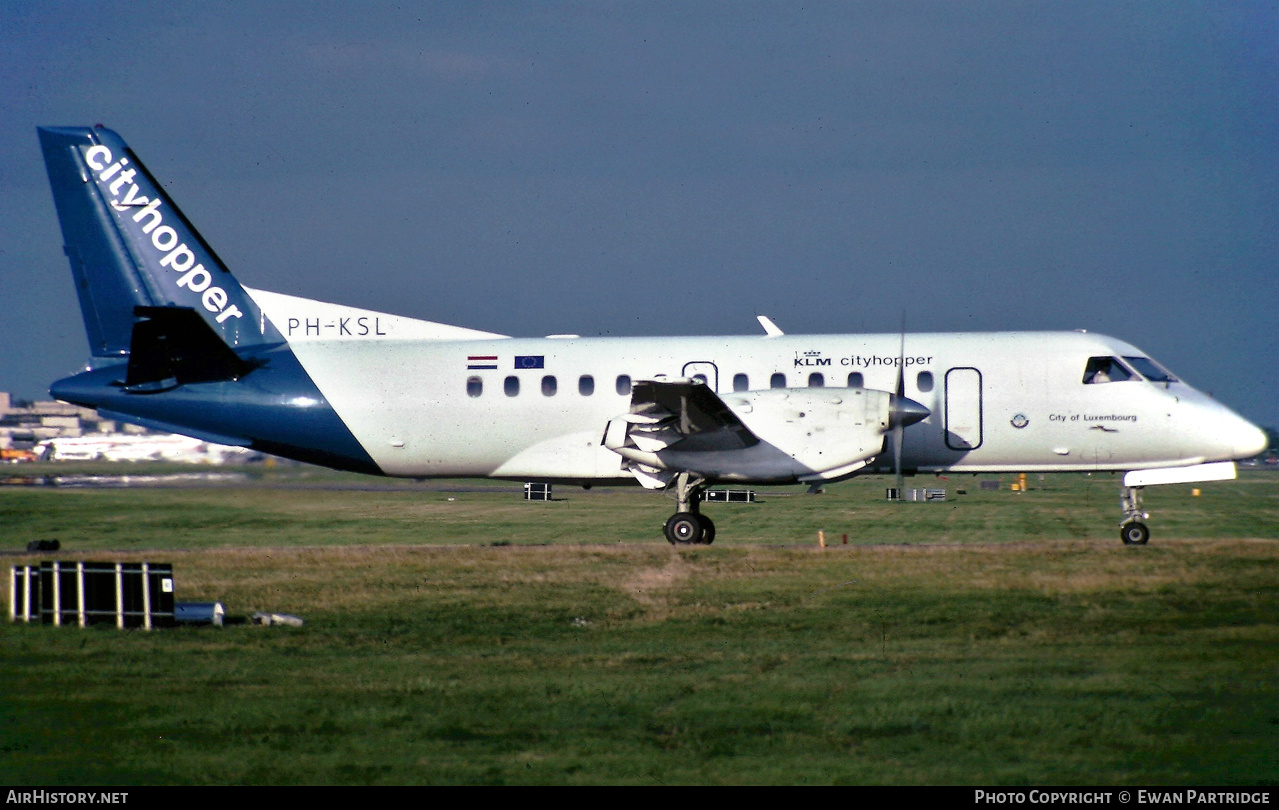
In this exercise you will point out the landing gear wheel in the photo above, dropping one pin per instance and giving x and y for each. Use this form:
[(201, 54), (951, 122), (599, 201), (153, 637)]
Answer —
[(708, 530), (684, 528), (1134, 534)]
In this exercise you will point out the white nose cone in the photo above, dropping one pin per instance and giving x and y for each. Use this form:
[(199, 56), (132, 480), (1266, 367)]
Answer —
[(1248, 440)]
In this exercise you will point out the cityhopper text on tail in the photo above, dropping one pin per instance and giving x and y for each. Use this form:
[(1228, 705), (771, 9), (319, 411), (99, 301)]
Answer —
[(178, 344)]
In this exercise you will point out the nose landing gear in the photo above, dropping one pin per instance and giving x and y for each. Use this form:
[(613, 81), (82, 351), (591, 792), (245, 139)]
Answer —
[(1132, 531), (688, 526)]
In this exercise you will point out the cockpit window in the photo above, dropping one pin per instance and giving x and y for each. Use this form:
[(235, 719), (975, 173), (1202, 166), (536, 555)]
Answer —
[(1104, 370), (1150, 369)]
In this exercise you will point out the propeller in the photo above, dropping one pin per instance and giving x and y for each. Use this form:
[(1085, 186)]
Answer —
[(902, 411), (900, 393)]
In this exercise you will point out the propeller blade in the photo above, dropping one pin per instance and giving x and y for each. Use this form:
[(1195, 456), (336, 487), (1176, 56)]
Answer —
[(897, 457), (900, 398), (900, 390)]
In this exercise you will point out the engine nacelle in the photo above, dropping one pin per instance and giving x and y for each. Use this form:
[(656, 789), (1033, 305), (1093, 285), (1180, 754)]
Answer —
[(828, 432), (784, 435)]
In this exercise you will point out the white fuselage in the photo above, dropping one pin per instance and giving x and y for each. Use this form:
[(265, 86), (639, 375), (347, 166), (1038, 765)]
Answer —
[(430, 400)]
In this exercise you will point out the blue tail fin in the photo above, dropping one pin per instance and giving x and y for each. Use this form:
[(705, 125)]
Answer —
[(130, 246)]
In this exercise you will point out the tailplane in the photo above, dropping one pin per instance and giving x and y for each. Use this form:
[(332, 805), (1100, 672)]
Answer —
[(132, 251), (178, 345)]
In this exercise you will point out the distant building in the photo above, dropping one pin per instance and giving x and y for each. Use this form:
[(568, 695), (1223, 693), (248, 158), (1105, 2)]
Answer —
[(23, 425), (58, 431), (154, 447)]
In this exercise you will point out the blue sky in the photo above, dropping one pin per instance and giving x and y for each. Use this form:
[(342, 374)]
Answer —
[(658, 168)]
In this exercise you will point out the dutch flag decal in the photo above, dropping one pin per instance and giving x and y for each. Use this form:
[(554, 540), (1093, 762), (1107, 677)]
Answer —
[(482, 362)]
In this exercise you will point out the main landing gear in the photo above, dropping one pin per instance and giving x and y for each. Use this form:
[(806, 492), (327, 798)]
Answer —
[(1132, 531), (688, 526)]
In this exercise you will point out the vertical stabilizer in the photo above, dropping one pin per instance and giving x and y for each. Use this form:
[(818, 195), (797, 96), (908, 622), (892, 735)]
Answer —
[(129, 246)]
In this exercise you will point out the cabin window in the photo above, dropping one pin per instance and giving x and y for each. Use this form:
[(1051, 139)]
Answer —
[(474, 386), (701, 378), (855, 380), (623, 385), (512, 386), (778, 380), (924, 381), (741, 382), (586, 385), (1150, 369), (549, 386), (1104, 370), (816, 380)]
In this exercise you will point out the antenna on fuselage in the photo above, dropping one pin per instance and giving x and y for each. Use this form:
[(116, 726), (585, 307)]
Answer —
[(770, 328)]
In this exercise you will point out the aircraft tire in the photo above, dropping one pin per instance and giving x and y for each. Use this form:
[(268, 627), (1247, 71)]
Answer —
[(1134, 533), (684, 529), (708, 530)]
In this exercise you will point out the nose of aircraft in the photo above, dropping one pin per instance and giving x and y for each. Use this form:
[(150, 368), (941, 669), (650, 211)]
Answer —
[(1246, 439), (1222, 434)]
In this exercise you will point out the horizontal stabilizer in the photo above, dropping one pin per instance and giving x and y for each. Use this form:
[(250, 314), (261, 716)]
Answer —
[(174, 346)]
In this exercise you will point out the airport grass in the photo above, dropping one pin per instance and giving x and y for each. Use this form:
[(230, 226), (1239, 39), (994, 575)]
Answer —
[(997, 638), (310, 507)]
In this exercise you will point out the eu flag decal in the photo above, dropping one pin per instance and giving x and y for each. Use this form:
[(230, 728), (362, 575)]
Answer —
[(530, 361)]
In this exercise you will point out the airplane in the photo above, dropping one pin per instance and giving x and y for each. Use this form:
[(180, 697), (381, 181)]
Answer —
[(177, 344)]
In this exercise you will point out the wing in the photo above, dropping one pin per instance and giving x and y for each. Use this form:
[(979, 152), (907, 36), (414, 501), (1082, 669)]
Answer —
[(685, 415)]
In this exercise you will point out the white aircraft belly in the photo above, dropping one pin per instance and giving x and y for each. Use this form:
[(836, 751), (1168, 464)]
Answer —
[(577, 455)]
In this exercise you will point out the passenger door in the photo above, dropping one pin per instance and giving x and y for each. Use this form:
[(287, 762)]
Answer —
[(963, 409)]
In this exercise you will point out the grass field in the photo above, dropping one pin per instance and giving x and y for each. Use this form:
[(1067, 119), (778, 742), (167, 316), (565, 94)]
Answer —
[(469, 637)]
